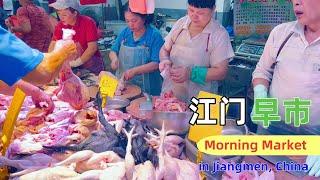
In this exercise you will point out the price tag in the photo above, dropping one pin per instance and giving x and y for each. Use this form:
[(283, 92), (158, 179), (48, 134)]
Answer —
[(108, 86)]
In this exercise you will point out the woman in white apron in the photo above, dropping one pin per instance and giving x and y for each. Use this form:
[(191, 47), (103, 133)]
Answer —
[(135, 54), (196, 52), (293, 72)]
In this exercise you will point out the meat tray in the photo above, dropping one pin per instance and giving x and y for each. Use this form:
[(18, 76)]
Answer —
[(117, 103), (175, 121)]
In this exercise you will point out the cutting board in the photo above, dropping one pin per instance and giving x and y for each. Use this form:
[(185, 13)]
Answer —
[(134, 109), (131, 91)]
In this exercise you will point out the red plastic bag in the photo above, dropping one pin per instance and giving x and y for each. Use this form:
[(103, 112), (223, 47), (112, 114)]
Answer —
[(142, 6), (86, 2)]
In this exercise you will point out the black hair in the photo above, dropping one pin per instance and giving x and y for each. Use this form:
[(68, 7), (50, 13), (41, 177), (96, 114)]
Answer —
[(202, 3), (73, 10), (148, 18)]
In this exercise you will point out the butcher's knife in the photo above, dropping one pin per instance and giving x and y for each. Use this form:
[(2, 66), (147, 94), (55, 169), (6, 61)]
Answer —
[(8, 126), (147, 105), (275, 159)]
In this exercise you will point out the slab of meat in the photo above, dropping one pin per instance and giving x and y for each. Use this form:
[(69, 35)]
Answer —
[(25, 145), (168, 103), (72, 89), (5, 102), (60, 115), (113, 115), (86, 117), (99, 141), (35, 116)]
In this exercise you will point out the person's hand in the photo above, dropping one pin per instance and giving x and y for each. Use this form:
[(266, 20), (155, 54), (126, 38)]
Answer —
[(129, 74), (313, 163), (180, 74), (164, 65), (115, 64), (53, 60), (76, 63), (8, 23), (38, 96), (260, 91)]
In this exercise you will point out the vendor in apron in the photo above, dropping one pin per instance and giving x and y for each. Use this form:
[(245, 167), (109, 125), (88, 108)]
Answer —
[(290, 67), (196, 52), (135, 53), (86, 36)]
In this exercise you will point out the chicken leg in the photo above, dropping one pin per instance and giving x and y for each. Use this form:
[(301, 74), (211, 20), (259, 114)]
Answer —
[(144, 171), (76, 157), (129, 160)]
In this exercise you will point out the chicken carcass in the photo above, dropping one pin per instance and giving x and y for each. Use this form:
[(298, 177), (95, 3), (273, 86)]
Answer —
[(144, 171), (167, 169), (88, 160), (50, 174), (99, 141), (129, 160), (173, 145), (173, 168), (38, 160), (89, 175), (115, 171), (72, 89)]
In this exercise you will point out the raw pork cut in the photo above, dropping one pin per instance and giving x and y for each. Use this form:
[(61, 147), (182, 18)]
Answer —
[(168, 103), (72, 89), (113, 115)]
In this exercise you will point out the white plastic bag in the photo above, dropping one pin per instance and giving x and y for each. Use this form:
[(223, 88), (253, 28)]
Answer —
[(67, 35)]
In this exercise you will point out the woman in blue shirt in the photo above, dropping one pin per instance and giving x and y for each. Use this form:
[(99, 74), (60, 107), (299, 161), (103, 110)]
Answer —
[(135, 54)]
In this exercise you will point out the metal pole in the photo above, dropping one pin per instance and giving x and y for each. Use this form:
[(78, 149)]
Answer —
[(117, 8), (103, 11)]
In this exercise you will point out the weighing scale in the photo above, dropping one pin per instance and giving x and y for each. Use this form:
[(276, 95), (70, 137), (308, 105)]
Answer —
[(241, 67)]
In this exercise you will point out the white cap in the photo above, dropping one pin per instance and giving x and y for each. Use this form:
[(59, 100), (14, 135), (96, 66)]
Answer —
[(64, 4)]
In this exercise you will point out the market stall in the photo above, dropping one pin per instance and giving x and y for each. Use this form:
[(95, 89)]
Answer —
[(132, 136), (85, 140)]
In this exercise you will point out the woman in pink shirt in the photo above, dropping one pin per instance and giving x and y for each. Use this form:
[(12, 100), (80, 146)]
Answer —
[(33, 25)]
